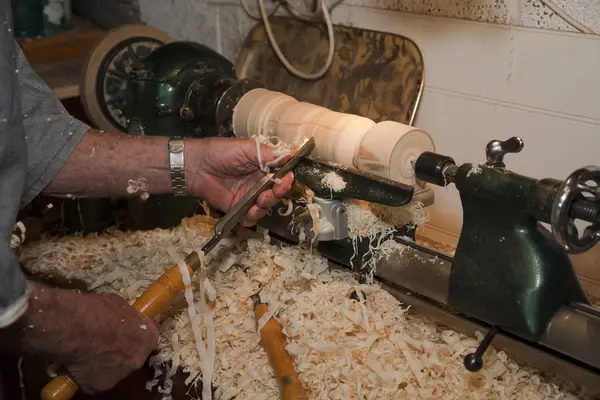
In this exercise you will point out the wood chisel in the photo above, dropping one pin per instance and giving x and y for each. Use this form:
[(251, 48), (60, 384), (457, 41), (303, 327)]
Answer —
[(170, 284)]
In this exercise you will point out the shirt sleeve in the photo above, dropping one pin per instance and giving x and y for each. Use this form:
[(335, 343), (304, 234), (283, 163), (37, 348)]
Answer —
[(50, 132), (14, 289), (45, 138)]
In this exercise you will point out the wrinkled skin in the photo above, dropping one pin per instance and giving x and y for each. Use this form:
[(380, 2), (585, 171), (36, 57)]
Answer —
[(119, 343)]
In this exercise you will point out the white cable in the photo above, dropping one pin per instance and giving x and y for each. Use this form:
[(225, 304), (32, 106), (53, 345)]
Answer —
[(284, 61), (569, 19)]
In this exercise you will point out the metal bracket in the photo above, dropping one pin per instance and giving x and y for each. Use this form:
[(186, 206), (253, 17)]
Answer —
[(333, 219)]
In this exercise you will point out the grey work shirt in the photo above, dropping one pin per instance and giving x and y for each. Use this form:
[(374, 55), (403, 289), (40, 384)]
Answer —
[(37, 136)]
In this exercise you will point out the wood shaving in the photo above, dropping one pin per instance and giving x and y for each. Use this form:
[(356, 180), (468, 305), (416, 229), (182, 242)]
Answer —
[(203, 356), (373, 348), (281, 150), (290, 208), (140, 185), (18, 235)]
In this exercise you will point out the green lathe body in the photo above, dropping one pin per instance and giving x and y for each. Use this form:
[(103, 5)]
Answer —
[(508, 270)]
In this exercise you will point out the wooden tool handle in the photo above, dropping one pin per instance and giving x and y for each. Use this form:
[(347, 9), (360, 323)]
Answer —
[(273, 341), (59, 388), (150, 303)]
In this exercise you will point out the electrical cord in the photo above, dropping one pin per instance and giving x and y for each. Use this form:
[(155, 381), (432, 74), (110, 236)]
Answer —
[(283, 59), (565, 16)]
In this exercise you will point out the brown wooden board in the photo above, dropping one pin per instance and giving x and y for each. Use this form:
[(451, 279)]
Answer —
[(63, 77), (373, 74), (75, 44)]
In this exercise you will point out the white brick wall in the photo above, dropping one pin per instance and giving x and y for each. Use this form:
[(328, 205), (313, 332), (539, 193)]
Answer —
[(221, 25)]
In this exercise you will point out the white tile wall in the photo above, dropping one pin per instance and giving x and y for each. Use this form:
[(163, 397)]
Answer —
[(183, 19)]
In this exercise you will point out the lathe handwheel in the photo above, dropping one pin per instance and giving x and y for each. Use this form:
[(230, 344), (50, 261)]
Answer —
[(574, 188)]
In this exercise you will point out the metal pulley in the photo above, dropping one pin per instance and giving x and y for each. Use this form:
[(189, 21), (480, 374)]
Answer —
[(107, 69)]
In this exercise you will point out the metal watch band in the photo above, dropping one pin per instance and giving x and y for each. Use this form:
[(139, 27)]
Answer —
[(176, 164)]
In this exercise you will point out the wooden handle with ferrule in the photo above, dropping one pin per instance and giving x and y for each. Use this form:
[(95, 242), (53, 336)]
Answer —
[(273, 341), (155, 299)]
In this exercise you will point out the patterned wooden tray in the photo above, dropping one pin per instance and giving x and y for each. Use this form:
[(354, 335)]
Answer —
[(374, 74)]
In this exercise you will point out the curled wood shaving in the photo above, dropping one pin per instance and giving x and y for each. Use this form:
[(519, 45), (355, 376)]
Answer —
[(18, 235), (290, 208), (139, 185), (195, 325)]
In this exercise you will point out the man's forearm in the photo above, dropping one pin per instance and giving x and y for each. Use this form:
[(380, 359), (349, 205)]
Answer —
[(107, 164)]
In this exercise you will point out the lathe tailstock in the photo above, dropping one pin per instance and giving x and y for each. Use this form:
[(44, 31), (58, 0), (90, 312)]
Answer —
[(509, 270)]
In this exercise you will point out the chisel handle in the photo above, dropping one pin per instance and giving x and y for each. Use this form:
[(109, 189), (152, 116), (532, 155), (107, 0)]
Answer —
[(155, 299), (272, 340)]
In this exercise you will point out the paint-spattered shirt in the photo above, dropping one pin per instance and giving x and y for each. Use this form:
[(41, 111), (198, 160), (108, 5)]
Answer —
[(37, 136)]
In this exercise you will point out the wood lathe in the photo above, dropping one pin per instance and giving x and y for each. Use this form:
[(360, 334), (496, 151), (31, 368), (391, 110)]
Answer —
[(510, 275)]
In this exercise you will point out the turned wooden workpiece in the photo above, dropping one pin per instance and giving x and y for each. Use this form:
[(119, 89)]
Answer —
[(387, 149), (272, 340), (154, 300)]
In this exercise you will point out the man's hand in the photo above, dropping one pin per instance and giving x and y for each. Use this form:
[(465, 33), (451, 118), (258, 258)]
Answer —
[(100, 338), (117, 344), (224, 169)]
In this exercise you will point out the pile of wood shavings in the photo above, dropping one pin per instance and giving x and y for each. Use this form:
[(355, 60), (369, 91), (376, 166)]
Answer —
[(343, 348), (369, 220), (116, 262)]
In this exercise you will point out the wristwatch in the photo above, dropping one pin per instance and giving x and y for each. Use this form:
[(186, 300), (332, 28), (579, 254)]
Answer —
[(176, 164)]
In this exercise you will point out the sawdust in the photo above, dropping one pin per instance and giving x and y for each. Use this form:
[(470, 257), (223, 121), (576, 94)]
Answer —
[(334, 182), (475, 170), (373, 348)]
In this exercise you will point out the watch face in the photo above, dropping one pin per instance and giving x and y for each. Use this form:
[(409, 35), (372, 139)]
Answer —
[(135, 127)]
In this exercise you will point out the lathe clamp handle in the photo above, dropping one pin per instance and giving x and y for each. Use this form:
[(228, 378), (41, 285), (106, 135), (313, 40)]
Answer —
[(496, 150)]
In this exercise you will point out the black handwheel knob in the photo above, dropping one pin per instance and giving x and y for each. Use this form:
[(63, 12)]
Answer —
[(473, 362)]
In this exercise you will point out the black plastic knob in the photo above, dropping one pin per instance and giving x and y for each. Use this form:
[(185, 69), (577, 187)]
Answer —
[(473, 362), (430, 168)]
